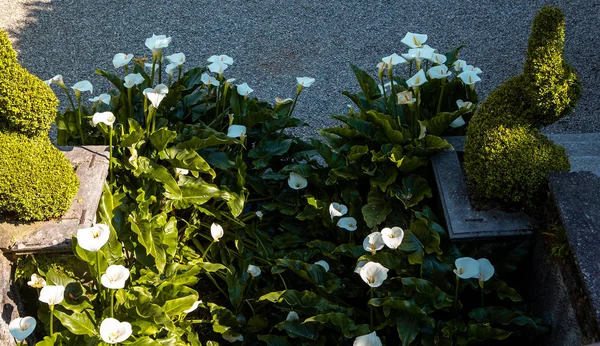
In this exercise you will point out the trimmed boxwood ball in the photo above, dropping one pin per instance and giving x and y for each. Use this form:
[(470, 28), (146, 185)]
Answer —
[(506, 158), (27, 104), (37, 181)]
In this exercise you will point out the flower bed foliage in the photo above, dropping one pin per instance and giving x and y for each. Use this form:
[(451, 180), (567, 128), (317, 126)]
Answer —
[(219, 226)]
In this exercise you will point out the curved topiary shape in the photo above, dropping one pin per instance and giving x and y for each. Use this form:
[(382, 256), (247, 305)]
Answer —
[(506, 157), (36, 180)]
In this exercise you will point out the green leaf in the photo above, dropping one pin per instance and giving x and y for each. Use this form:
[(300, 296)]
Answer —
[(144, 341), (425, 290), (306, 302), (501, 315), (386, 133), (265, 150), (162, 137), (408, 328), (414, 189), (332, 159), (482, 332), (384, 176), (350, 250), (405, 307), (77, 323), (49, 340), (368, 85), (223, 319), (116, 81), (313, 273), (187, 159), (502, 289), (407, 164), (377, 208), (418, 240), (439, 123), (273, 340), (340, 322)]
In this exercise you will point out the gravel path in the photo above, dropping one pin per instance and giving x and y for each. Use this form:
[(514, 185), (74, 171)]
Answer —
[(273, 42)]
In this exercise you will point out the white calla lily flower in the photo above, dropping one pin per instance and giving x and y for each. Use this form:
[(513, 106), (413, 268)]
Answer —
[(121, 59), (458, 122), (486, 270), (459, 64), (417, 80), (373, 274), (347, 223), (132, 80), (392, 237), (323, 264), (36, 281), (115, 277), (216, 231), (82, 86), (463, 104), (471, 68), (373, 242), (177, 58), (209, 80), (259, 214), (253, 270), (368, 340), (359, 266), (292, 316), (438, 58), (422, 129), (466, 267), (218, 67), (236, 131), (381, 67), (405, 98), (193, 307), (337, 209), (171, 69), (280, 101), (133, 157), (393, 59), (113, 332), (422, 53), (181, 171), (222, 58), (232, 336), (157, 42), (439, 72), (156, 95), (296, 181), (93, 238), (469, 77), (107, 118), (305, 82), (104, 98), (58, 80), (52, 295), (21, 328), (244, 89), (414, 40)]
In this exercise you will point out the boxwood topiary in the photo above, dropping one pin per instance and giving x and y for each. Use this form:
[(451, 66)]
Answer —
[(506, 157)]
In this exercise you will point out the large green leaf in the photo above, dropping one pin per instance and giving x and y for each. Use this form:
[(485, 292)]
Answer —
[(162, 137), (274, 340), (440, 122), (428, 292), (377, 208), (333, 159), (414, 189), (418, 240), (404, 307), (503, 316), (369, 86), (305, 301), (265, 150), (502, 289), (313, 273), (408, 328), (384, 176), (340, 322), (477, 332), (191, 191), (187, 159), (77, 323)]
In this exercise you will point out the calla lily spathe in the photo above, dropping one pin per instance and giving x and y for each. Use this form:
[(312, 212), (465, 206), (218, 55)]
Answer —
[(458, 122), (323, 264), (414, 40), (223, 58), (466, 268), (93, 238), (337, 209), (107, 118), (438, 72), (486, 270), (244, 89), (181, 171), (381, 67), (52, 295), (36, 281), (115, 277), (373, 274), (422, 53), (157, 94), (132, 80), (463, 104), (393, 59), (82, 86), (253, 270), (171, 68), (296, 181), (193, 307), (438, 58), (209, 80), (236, 131), (469, 77), (405, 98), (177, 58), (417, 80), (112, 331), (368, 340), (21, 328), (104, 98), (347, 223), (216, 231), (359, 266), (292, 316), (471, 68), (392, 237), (157, 42), (281, 101), (305, 82), (121, 59), (373, 242), (459, 64), (232, 336), (58, 80), (218, 67)]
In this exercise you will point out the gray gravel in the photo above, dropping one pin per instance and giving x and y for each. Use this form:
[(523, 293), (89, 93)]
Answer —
[(273, 42)]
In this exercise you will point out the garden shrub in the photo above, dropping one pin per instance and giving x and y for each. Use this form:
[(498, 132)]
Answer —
[(506, 158)]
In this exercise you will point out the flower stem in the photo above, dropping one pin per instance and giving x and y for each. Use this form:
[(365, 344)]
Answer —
[(126, 69), (481, 289), (418, 92), (79, 119), (206, 251), (294, 104), (160, 67), (384, 93), (439, 105), (394, 101), (180, 68), (456, 293), (112, 303), (51, 319), (130, 103), (98, 274), (152, 72), (69, 96), (110, 153), (372, 309)]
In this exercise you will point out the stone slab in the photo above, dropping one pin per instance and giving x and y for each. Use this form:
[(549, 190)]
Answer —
[(583, 150), (577, 197), (91, 163)]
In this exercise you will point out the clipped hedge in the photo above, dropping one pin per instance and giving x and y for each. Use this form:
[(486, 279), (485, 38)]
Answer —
[(506, 158)]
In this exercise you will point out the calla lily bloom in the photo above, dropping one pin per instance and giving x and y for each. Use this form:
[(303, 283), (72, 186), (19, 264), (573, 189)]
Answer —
[(405, 98), (82, 86), (368, 340), (157, 42), (21, 328), (469, 78), (177, 58), (393, 59), (181, 171), (133, 157), (386, 85), (296, 181), (93, 238), (422, 53), (438, 72), (244, 89), (104, 98), (292, 316), (58, 80), (422, 129), (115, 277), (121, 59), (232, 336), (414, 40), (471, 68), (359, 266), (171, 68), (193, 307), (373, 242), (113, 332), (463, 104), (459, 64), (259, 214), (209, 80), (218, 67), (280, 101), (36, 281), (236, 131), (373, 274), (438, 58), (323, 264), (216, 231), (466, 268), (253, 270), (222, 58), (458, 122), (336, 209), (381, 67), (107, 118), (132, 80), (148, 66), (157, 94), (417, 80), (305, 82), (52, 295), (486, 270), (348, 223), (392, 237)]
